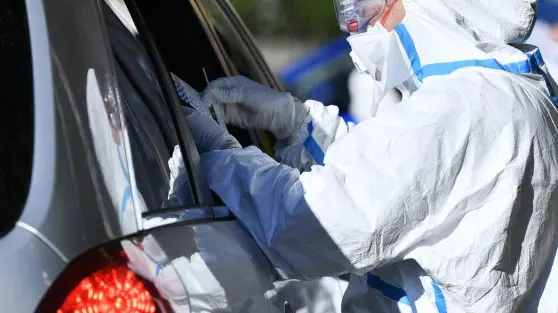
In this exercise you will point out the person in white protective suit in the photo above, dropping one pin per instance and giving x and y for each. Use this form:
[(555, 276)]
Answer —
[(444, 202), (362, 105), (544, 36)]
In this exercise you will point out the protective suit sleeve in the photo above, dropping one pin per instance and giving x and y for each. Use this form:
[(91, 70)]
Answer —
[(348, 215), (320, 129), (398, 186), (268, 198)]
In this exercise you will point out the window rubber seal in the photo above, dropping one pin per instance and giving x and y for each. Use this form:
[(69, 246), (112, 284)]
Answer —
[(200, 188)]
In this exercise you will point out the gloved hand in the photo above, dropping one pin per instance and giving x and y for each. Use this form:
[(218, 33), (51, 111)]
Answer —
[(207, 134), (247, 104)]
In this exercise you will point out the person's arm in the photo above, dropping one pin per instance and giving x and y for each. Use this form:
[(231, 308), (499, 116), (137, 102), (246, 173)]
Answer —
[(208, 136), (354, 213), (304, 130), (399, 186), (320, 129)]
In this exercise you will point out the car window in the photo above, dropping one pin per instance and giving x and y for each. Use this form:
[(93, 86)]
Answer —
[(190, 52), (16, 111), (243, 58), (188, 47), (183, 42), (151, 132), (241, 53)]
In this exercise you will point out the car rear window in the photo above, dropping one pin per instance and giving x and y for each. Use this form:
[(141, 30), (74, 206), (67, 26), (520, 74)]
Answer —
[(16, 112)]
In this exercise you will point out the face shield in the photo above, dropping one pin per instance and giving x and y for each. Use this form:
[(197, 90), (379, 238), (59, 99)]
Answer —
[(354, 15)]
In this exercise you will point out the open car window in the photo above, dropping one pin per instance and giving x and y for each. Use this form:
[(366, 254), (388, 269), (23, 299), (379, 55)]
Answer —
[(190, 47), (242, 55), (152, 135), (193, 54)]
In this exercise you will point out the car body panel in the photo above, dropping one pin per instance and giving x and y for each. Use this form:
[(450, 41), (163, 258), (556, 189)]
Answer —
[(83, 192), (80, 203), (215, 266), (28, 271)]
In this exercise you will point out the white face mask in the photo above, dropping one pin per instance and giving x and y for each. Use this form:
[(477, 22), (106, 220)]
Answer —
[(378, 53), (375, 33)]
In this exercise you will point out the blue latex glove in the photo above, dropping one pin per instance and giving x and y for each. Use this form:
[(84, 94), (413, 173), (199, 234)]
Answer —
[(249, 105), (208, 135)]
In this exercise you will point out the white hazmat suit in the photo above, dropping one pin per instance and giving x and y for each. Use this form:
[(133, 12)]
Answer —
[(444, 202), (362, 106)]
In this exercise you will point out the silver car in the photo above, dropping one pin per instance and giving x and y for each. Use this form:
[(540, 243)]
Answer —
[(90, 119)]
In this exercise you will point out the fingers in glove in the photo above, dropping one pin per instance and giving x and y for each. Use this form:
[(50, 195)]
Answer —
[(212, 96), (227, 82), (207, 134), (228, 90)]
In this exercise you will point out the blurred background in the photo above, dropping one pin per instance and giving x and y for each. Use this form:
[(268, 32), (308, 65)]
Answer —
[(303, 45)]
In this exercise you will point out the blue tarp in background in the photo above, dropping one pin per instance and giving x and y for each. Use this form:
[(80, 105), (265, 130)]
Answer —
[(548, 10), (322, 75)]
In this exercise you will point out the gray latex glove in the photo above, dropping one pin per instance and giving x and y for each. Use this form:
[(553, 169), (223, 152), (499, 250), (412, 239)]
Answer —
[(249, 105), (208, 135)]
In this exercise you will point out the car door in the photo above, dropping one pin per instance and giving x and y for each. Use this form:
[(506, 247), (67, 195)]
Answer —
[(217, 44), (194, 252)]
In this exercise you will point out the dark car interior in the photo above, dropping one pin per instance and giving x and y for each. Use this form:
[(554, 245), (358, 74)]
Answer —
[(152, 137), (152, 133), (184, 55), (191, 55), (16, 97)]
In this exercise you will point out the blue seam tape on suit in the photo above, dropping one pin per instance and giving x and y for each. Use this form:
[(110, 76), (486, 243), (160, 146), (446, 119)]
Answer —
[(439, 298), (409, 46), (399, 295), (390, 291), (312, 146), (531, 65)]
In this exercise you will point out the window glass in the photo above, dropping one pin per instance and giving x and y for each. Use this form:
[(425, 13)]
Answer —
[(240, 56), (151, 131), (16, 111), (190, 54)]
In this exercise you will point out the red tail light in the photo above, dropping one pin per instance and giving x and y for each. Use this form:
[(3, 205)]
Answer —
[(100, 281), (110, 290)]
